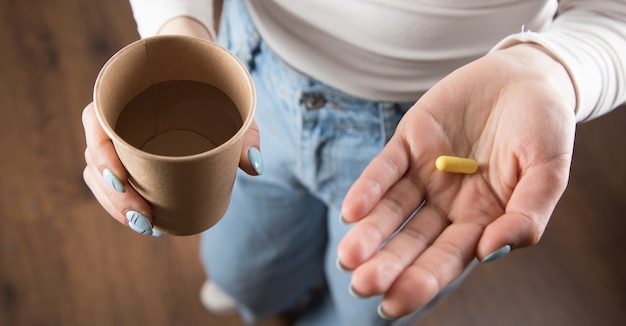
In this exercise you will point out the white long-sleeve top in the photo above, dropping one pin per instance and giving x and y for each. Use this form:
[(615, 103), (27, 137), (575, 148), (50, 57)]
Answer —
[(395, 49)]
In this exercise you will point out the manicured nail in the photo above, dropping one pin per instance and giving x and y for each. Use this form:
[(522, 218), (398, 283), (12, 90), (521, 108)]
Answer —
[(341, 268), (382, 314), (343, 221), (497, 254), (156, 233), (255, 158), (113, 181), (356, 295), (139, 223)]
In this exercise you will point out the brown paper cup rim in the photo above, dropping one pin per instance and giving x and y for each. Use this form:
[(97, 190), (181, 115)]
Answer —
[(109, 130)]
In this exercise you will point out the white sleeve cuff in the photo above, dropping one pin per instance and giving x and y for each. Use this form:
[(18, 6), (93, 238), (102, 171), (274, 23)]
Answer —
[(591, 47), (151, 15)]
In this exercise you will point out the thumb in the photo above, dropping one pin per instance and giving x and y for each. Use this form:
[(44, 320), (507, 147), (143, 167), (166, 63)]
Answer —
[(251, 161), (528, 211)]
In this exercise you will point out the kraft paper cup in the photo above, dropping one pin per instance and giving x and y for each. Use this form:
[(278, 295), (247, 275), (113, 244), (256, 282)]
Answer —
[(181, 144)]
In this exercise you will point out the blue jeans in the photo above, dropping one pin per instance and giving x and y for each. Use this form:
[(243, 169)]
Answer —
[(278, 240)]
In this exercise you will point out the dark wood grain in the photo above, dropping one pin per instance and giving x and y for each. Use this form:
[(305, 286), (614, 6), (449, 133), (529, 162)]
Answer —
[(63, 261)]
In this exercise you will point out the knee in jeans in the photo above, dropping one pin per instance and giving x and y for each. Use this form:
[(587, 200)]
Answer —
[(242, 284)]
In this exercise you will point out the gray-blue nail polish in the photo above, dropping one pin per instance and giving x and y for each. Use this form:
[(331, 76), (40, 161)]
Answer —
[(113, 181), (354, 294), (497, 254), (138, 223), (382, 314), (343, 221), (255, 158), (341, 268), (156, 233)]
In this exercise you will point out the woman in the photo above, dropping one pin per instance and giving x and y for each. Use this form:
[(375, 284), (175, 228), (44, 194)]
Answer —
[(333, 81)]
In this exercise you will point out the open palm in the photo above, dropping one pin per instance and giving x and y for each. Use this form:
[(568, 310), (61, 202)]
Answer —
[(510, 112)]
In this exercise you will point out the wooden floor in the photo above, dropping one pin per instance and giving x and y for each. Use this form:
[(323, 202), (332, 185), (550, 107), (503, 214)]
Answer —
[(64, 262)]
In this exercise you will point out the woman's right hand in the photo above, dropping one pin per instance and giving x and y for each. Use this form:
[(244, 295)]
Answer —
[(107, 178)]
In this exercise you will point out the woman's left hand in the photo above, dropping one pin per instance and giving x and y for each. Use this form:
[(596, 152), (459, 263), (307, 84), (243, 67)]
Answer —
[(513, 112)]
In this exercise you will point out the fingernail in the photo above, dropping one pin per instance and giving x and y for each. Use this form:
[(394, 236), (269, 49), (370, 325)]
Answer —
[(497, 254), (343, 221), (382, 314), (255, 158), (341, 268), (356, 295), (139, 223), (156, 233), (113, 181)]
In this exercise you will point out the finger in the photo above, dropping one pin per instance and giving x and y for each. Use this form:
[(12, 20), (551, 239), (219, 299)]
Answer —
[(529, 209), (121, 206), (251, 160), (379, 176), (99, 146), (439, 265), (364, 239), (377, 274)]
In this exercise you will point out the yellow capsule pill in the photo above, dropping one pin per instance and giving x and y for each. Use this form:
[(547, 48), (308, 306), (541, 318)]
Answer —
[(455, 164)]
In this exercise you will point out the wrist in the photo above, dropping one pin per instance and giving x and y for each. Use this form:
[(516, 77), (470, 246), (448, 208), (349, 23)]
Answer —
[(536, 57), (185, 25)]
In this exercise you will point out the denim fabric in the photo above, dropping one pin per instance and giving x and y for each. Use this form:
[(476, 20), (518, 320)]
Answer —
[(278, 240)]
